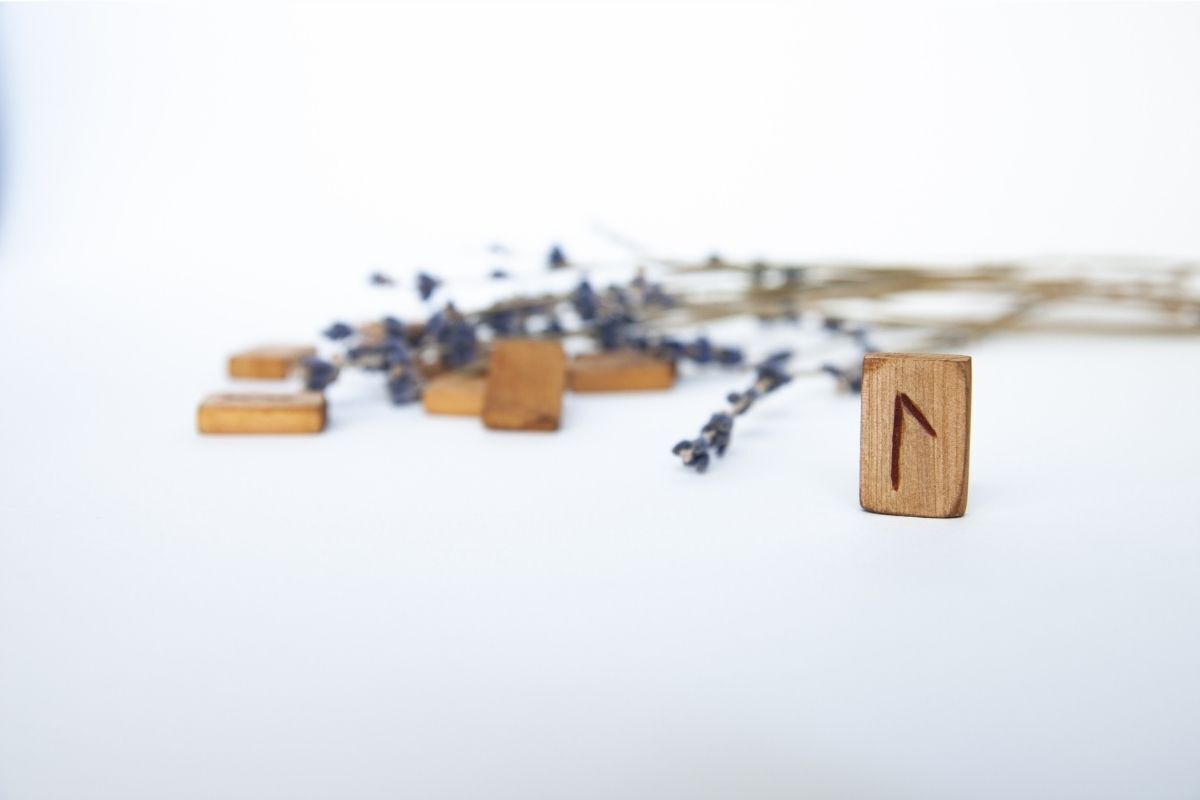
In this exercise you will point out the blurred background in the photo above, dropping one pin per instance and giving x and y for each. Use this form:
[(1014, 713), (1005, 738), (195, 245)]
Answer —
[(189, 142), (340, 617)]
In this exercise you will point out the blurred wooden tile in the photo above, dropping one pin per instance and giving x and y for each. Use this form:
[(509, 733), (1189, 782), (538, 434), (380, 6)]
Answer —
[(916, 434), (271, 362), (455, 393), (303, 412), (526, 378), (375, 331), (620, 371)]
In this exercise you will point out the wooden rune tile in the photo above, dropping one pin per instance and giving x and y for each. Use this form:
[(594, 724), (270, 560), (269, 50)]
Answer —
[(303, 412), (620, 371), (271, 362), (455, 393), (916, 434), (525, 385)]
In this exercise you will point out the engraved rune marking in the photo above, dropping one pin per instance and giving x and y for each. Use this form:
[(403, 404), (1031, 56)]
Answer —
[(904, 403)]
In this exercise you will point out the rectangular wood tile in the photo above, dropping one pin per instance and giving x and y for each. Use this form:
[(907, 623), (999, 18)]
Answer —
[(456, 394), (916, 434), (271, 362), (303, 412), (526, 378), (620, 371)]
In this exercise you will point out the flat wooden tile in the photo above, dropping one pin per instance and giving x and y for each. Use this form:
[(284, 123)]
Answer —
[(271, 362), (303, 412), (620, 371), (374, 331), (916, 434), (526, 378), (456, 394)]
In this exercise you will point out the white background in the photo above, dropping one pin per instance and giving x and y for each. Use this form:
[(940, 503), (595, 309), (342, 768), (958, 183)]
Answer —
[(408, 607)]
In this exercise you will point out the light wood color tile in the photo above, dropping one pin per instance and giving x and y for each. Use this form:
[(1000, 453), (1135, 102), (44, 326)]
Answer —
[(303, 412), (526, 378), (620, 371), (456, 394), (270, 362), (916, 434)]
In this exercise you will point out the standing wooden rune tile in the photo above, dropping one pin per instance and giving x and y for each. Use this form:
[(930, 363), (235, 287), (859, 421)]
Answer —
[(526, 378), (916, 434)]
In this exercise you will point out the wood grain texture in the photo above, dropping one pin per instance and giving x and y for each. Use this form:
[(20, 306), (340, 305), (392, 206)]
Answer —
[(456, 394), (262, 413), (916, 434), (270, 362), (620, 371), (526, 378)]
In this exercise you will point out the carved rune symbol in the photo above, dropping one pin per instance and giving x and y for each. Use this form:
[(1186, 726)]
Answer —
[(904, 403)]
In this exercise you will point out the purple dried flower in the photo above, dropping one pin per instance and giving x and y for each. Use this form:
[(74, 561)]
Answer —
[(505, 322), (402, 386), (381, 279), (556, 259), (672, 348), (718, 432), (740, 402), (701, 351), (772, 372), (584, 299), (318, 373), (427, 285), (694, 453), (460, 343), (611, 330), (338, 331), (394, 328), (728, 356), (498, 274)]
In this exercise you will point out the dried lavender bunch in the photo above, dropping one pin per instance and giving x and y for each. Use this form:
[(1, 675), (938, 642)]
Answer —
[(391, 355), (716, 433)]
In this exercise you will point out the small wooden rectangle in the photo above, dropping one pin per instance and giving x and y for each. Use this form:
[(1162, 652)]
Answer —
[(916, 434), (262, 413), (455, 393), (526, 378), (271, 362), (620, 371)]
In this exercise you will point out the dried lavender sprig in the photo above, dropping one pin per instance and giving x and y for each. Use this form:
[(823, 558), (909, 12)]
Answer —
[(716, 434)]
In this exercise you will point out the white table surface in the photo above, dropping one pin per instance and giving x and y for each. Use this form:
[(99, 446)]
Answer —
[(407, 606)]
